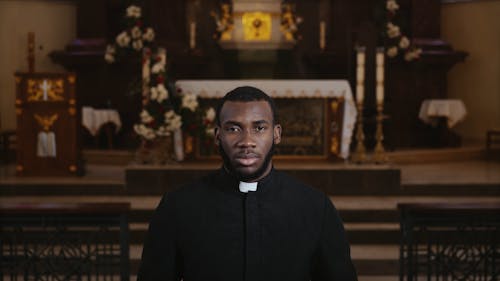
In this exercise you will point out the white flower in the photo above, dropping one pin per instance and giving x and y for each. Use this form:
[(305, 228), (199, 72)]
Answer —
[(146, 117), (162, 131), (154, 93), (162, 93), (393, 30), (137, 45), (149, 35), (133, 12), (109, 57), (210, 114), (190, 102), (172, 120), (404, 43), (392, 52), (414, 54), (136, 32), (110, 49), (391, 5), (123, 39), (210, 131), (144, 131), (158, 67)]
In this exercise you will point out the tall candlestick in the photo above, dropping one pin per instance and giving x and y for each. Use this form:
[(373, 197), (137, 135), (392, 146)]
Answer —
[(31, 51), (322, 35), (380, 75), (192, 35)]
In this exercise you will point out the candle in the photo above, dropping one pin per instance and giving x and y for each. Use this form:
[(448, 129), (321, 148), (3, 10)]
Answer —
[(360, 58), (31, 51), (322, 35), (192, 35), (360, 93), (379, 92), (360, 74)]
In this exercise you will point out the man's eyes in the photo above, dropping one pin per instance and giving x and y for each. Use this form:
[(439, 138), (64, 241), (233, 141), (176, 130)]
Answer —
[(234, 129), (260, 128)]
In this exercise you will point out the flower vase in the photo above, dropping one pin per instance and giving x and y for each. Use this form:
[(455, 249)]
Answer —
[(163, 151), (159, 151)]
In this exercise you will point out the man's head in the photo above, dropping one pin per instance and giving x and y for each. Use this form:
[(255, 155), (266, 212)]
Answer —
[(246, 132)]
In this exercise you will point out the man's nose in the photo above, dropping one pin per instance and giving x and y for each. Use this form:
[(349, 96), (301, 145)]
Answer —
[(247, 139)]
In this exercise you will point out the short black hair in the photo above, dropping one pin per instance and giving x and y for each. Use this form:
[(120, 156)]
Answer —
[(246, 94)]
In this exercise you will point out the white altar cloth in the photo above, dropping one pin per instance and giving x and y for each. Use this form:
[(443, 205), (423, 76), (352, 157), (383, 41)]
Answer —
[(284, 89), (453, 109), (93, 119)]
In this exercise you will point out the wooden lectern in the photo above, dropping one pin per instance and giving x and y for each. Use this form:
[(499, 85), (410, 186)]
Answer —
[(48, 121)]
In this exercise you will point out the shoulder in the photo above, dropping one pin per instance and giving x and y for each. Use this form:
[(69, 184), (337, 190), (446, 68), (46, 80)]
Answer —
[(296, 188), (189, 193)]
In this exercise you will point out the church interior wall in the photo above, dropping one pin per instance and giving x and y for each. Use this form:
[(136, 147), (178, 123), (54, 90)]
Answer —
[(475, 81), (473, 26), (54, 25)]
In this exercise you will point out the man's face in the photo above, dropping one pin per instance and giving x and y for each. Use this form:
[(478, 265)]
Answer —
[(246, 135)]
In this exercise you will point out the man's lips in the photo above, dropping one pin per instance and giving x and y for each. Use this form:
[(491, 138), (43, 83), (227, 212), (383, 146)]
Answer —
[(246, 159)]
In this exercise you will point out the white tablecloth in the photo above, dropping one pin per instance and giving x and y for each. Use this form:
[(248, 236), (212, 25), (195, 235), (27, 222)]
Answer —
[(93, 119), (284, 89), (453, 109)]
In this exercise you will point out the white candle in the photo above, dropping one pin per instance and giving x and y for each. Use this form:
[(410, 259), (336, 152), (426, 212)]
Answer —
[(192, 35), (322, 35), (360, 93), (360, 58), (360, 75), (379, 92)]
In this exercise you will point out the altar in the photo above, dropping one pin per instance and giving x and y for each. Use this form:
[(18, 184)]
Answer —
[(327, 124)]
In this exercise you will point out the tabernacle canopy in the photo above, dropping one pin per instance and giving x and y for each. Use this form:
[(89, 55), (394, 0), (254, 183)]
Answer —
[(210, 230)]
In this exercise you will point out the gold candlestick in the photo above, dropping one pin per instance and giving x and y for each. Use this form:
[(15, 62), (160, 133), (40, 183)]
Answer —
[(31, 52), (379, 155), (359, 155)]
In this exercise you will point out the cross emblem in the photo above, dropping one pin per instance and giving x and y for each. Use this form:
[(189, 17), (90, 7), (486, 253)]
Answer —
[(45, 87)]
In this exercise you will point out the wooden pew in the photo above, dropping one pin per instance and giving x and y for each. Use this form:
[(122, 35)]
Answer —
[(64, 242), (450, 241)]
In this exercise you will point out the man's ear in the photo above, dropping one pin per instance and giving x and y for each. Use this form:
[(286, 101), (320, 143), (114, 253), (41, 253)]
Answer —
[(277, 133), (216, 135)]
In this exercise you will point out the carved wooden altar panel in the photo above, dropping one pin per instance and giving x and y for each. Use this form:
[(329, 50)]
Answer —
[(312, 129), (48, 122)]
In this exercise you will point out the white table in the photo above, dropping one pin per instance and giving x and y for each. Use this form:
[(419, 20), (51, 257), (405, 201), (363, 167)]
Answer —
[(452, 109), (284, 89), (93, 119)]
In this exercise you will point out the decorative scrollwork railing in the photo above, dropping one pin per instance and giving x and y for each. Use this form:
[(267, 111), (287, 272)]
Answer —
[(63, 242), (450, 242)]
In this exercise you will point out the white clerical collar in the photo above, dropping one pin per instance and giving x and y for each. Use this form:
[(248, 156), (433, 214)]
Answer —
[(245, 187)]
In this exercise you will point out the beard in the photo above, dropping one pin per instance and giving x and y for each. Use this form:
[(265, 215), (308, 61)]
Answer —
[(246, 177)]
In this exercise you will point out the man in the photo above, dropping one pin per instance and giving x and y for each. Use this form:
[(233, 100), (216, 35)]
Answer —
[(246, 221)]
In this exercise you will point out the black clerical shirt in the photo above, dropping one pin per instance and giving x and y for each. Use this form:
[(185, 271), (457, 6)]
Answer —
[(210, 230)]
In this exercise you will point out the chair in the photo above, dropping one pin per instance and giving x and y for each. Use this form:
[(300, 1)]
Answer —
[(7, 145), (492, 139)]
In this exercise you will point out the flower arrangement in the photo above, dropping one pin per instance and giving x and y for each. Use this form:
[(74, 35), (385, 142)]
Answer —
[(134, 38), (164, 111), (396, 42)]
